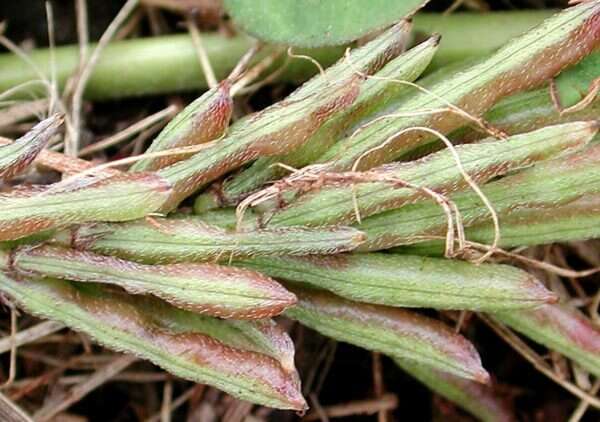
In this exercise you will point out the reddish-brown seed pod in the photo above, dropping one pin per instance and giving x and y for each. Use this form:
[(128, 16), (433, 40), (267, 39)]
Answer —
[(15, 157), (181, 342), (118, 198), (392, 331), (204, 120)]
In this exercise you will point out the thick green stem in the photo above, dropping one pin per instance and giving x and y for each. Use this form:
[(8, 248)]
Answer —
[(143, 66), (169, 63)]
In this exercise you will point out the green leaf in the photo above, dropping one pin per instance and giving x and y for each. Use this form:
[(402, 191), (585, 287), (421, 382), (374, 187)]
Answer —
[(338, 202), (559, 327), (168, 241), (525, 195), (313, 23), (375, 95), (121, 197)]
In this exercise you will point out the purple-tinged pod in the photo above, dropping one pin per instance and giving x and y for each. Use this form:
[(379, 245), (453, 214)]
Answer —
[(153, 330), (375, 95), (209, 289), (18, 155), (167, 241), (117, 198), (397, 333), (478, 399), (288, 124), (560, 328), (279, 128), (204, 120), (524, 63)]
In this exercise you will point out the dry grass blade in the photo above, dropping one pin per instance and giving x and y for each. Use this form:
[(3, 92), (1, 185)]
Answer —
[(140, 126), (10, 412), (361, 407), (77, 392), (31, 334), (72, 144), (531, 356)]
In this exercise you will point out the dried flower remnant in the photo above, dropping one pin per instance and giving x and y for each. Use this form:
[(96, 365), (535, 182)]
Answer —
[(543, 186), (339, 203)]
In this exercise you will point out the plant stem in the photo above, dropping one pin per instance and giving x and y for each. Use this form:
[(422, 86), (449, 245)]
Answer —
[(156, 65), (166, 64)]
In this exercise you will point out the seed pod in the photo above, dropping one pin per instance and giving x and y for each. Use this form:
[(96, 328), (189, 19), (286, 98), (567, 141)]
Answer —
[(204, 120), (577, 220), (394, 332), (117, 198), (203, 288), (411, 281), (560, 328), (478, 399), (191, 240), (118, 321), (546, 185), (558, 42), (339, 203), (18, 155), (287, 125), (532, 110), (375, 95)]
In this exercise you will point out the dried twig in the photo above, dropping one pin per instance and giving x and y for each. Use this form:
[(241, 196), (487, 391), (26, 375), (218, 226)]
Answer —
[(77, 392), (31, 334)]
